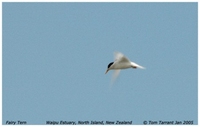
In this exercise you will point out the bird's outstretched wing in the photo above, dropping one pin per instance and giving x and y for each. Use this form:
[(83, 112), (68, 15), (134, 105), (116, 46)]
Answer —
[(115, 75), (119, 57)]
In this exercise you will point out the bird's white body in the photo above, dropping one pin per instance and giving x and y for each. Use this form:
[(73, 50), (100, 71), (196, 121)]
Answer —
[(121, 62), (120, 65)]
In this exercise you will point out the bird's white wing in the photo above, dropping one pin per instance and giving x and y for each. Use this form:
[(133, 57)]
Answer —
[(115, 75), (119, 57)]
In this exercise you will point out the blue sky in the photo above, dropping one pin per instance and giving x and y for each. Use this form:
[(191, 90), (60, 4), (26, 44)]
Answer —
[(55, 56)]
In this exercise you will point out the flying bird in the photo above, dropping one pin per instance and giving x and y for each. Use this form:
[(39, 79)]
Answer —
[(121, 62)]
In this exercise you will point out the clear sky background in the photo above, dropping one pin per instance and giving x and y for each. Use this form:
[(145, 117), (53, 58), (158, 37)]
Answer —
[(55, 56)]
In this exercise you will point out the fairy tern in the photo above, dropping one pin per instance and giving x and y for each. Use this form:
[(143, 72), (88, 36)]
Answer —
[(121, 62)]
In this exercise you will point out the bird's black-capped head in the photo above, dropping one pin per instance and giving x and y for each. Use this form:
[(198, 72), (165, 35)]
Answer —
[(110, 64)]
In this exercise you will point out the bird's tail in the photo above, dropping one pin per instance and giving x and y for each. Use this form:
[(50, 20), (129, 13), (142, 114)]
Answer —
[(134, 65)]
